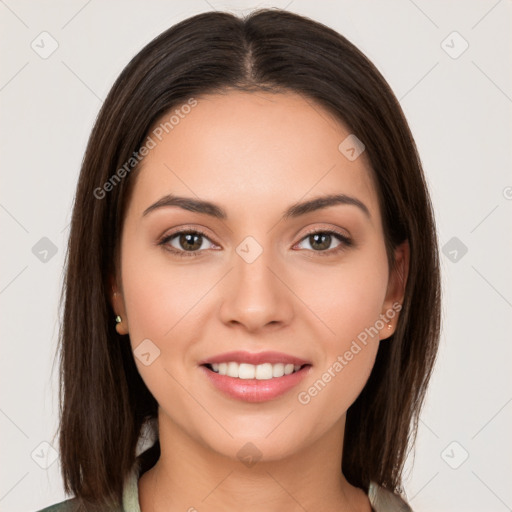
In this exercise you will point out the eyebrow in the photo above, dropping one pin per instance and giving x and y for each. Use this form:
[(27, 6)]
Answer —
[(296, 210)]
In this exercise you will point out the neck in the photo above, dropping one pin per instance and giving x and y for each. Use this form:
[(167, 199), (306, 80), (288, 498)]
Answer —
[(190, 476)]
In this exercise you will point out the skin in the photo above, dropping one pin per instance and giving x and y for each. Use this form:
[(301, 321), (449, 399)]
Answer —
[(254, 155)]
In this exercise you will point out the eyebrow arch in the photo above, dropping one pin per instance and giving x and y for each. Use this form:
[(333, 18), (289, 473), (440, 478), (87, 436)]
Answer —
[(296, 210), (322, 202)]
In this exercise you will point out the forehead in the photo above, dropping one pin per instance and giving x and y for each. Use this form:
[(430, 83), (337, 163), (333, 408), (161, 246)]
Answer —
[(271, 149)]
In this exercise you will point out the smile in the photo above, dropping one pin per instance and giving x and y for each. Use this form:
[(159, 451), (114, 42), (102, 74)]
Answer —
[(253, 383)]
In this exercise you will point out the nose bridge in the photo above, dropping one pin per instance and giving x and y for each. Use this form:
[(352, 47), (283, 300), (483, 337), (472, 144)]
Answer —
[(255, 297)]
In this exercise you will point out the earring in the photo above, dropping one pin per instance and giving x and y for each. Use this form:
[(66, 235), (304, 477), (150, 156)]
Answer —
[(118, 319), (390, 326)]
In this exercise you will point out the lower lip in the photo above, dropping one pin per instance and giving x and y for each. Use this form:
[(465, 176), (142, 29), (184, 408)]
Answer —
[(254, 390)]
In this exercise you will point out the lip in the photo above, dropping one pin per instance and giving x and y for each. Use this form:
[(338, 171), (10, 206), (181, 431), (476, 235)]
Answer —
[(254, 390), (255, 358)]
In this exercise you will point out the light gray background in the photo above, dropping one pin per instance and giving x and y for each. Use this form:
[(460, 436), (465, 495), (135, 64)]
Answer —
[(459, 110)]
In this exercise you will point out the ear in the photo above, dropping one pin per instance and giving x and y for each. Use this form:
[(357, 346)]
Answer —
[(396, 290), (117, 301)]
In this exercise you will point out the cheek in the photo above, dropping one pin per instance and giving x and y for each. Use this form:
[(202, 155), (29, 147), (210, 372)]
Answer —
[(162, 305), (348, 299), (158, 294)]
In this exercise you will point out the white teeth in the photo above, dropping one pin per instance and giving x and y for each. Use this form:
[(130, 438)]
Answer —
[(278, 370), (243, 370), (263, 371)]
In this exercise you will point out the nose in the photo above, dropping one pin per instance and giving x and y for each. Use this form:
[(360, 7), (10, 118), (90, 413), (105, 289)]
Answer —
[(255, 297)]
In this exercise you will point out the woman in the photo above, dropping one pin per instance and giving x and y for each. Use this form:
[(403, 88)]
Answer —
[(252, 275)]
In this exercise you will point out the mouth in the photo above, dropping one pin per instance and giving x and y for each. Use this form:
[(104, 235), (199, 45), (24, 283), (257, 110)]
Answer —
[(254, 383)]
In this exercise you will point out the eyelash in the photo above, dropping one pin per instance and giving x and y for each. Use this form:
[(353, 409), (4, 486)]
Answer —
[(345, 242)]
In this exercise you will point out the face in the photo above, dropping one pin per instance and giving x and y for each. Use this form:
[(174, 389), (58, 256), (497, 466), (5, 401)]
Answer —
[(254, 272)]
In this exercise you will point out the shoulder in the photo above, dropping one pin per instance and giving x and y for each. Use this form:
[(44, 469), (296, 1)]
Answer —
[(70, 505), (383, 500), (130, 498), (74, 505)]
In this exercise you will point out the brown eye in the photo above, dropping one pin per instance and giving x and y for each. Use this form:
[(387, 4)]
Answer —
[(190, 241), (320, 241), (186, 243), (326, 242)]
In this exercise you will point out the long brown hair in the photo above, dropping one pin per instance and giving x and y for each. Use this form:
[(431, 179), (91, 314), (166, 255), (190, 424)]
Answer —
[(104, 401)]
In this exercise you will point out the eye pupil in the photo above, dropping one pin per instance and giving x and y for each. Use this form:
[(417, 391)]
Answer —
[(323, 238), (191, 241)]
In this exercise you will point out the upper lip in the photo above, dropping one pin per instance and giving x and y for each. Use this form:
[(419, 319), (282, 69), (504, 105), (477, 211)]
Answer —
[(255, 358)]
